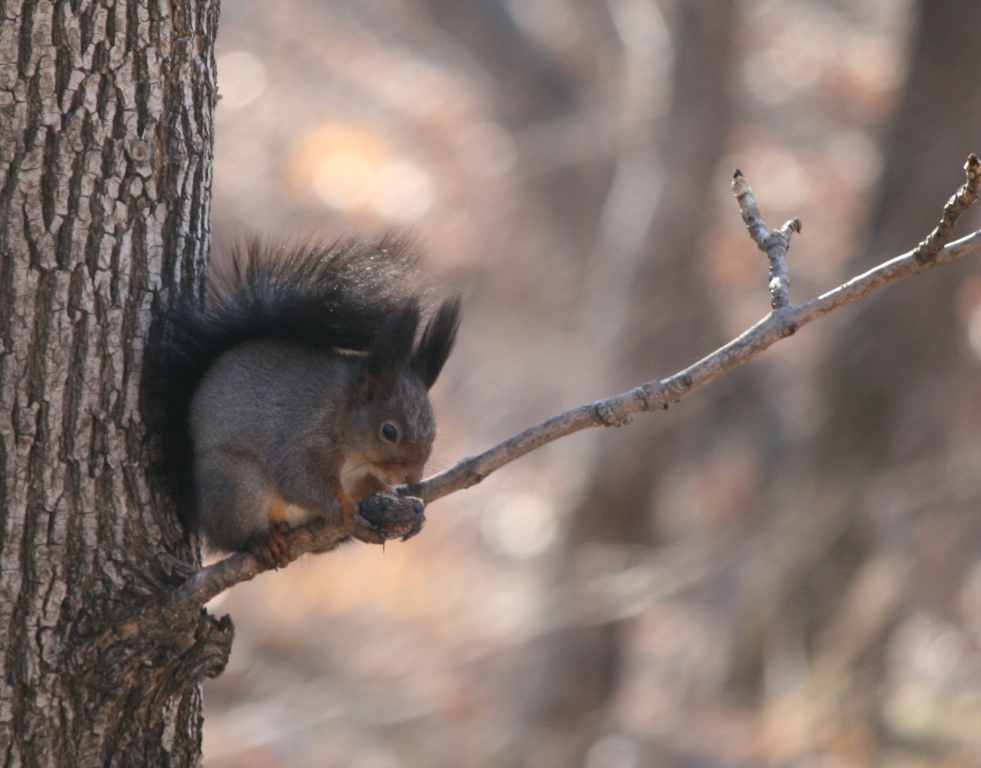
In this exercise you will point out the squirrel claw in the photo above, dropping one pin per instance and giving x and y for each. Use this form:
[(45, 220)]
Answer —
[(270, 547), (386, 515)]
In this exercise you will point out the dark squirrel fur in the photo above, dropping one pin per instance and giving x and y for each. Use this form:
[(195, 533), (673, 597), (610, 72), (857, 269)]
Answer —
[(333, 326)]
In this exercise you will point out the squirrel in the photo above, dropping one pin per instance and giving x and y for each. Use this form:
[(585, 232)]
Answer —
[(293, 389)]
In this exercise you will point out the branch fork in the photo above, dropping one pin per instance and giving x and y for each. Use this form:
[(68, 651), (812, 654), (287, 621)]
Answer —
[(784, 320), (774, 243)]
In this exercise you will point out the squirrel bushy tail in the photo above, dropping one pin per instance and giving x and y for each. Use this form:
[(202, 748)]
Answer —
[(336, 296)]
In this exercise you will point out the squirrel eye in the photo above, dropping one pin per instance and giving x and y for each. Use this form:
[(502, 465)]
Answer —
[(390, 432)]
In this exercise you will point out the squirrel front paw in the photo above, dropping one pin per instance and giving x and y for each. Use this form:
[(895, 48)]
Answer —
[(385, 515)]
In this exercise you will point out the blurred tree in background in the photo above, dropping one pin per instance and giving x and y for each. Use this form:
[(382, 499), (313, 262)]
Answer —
[(785, 569)]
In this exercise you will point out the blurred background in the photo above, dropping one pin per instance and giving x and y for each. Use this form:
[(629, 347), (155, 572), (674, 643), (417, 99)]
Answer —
[(783, 570)]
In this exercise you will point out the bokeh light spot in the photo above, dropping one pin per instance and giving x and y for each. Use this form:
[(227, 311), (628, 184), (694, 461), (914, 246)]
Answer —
[(344, 179), (403, 192), (521, 526), (241, 79)]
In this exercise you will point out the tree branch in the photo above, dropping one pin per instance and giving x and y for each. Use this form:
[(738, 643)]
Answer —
[(783, 321), (654, 395), (316, 536)]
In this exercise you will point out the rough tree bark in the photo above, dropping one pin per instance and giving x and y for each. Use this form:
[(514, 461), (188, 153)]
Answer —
[(105, 168)]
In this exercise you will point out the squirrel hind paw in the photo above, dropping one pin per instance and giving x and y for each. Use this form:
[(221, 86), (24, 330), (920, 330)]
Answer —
[(271, 547)]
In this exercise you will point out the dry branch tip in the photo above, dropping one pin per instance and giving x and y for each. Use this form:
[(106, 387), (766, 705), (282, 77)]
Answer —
[(962, 199), (774, 243)]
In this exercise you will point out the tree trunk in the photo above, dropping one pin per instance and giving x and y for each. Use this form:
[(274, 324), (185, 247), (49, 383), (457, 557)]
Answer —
[(106, 114)]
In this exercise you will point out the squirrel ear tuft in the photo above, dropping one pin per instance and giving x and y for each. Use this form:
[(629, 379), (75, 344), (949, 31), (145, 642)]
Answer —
[(437, 342), (389, 353)]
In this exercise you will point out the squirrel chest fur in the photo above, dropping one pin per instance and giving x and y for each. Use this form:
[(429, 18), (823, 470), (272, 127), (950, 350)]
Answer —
[(297, 389)]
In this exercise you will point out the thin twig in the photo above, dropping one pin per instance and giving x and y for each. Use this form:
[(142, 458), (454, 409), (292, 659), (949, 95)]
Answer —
[(774, 244), (962, 199), (783, 321)]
